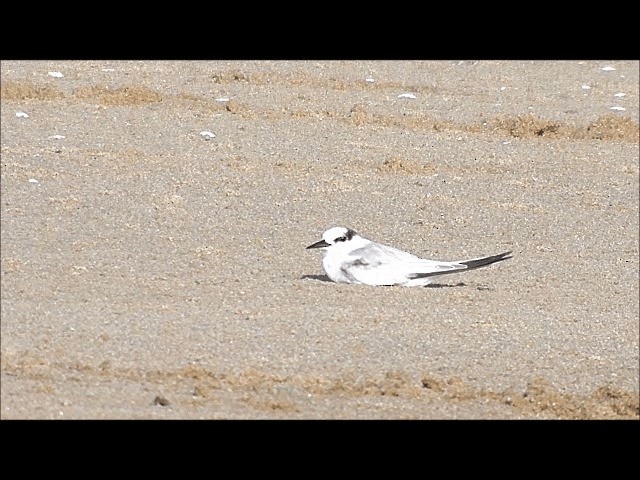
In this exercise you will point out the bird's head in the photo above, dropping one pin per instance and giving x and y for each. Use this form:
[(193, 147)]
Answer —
[(334, 236)]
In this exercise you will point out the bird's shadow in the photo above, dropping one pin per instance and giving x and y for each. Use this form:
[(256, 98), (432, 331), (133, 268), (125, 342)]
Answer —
[(445, 285), (324, 278)]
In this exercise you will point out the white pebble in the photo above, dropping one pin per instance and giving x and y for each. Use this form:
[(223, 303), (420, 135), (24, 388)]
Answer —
[(222, 99), (586, 87), (108, 69), (57, 137), (22, 114), (608, 69), (619, 94), (619, 109), (33, 180), (407, 95), (369, 80), (56, 74), (207, 135)]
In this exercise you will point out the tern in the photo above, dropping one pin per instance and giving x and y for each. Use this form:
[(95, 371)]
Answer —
[(351, 258)]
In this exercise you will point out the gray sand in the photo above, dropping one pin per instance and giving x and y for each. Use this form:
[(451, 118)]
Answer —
[(150, 272)]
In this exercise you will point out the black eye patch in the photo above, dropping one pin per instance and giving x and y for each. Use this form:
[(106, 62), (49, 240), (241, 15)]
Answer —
[(341, 239)]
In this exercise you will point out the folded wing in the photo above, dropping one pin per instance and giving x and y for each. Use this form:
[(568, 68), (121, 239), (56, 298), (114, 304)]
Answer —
[(382, 265)]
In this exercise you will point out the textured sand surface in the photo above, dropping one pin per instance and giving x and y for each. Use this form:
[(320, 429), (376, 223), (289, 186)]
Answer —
[(151, 272)]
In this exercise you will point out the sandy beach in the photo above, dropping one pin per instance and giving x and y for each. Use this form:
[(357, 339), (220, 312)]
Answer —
[(155, 214)]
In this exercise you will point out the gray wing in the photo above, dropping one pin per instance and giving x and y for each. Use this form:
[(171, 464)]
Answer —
[(377, 264), (376, 252)]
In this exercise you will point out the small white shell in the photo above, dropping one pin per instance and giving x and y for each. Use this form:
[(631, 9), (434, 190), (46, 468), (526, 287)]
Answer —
[(407, 95), (619, 94), (207, 135), (57, 137), (607, 69), (586, 87), (33, 180), (56, 74), (22, 114), (619, 109)]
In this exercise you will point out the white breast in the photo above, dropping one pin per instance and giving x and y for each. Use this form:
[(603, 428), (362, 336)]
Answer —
[(332, 266)]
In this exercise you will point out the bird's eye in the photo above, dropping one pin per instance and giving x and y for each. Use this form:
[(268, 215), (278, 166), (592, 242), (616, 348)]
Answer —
[(341, 239)]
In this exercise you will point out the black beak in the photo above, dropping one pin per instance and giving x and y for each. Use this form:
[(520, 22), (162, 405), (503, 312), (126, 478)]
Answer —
[(319, 244)]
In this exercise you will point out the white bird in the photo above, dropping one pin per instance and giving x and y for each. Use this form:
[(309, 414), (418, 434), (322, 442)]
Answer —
[(350, 258)]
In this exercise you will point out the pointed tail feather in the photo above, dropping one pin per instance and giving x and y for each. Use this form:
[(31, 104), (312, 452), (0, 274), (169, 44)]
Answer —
[(470, 264), (481, 262)]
